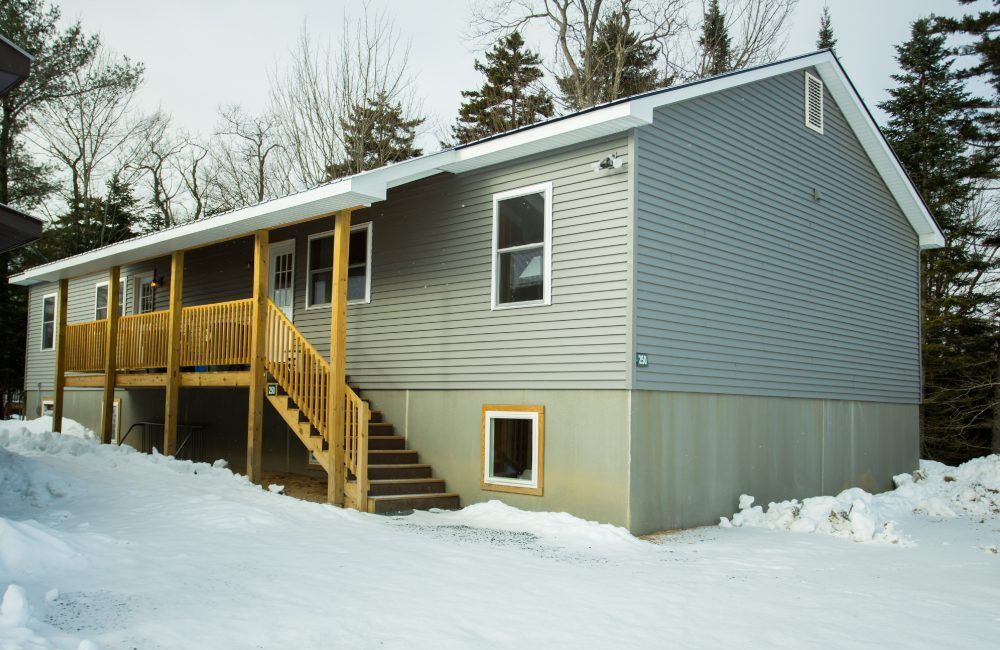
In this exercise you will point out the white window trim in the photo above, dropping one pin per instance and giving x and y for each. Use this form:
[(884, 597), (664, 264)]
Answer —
[(122, 292), (137, 291), (368, 267), (55, 322), (546, 189), (809, 78), (536, 416)]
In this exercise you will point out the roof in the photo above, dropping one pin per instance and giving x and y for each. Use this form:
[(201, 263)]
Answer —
[(614, 117), (15, 64), (17, 228)]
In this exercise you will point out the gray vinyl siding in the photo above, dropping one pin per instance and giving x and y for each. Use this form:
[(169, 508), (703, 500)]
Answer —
[(429, 323), (747, 285)]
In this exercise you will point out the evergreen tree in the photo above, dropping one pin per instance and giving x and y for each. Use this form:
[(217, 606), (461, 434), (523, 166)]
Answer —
[(714, 42), (825, 40), (376, 133), (931, 118), (623, 65), (510, 97), (25, 183)]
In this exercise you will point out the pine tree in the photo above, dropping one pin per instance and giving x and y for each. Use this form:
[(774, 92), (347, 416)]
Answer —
[(825, 40), (714, 42), (931, 118), (376, 133), (622, 65), (510, 97)]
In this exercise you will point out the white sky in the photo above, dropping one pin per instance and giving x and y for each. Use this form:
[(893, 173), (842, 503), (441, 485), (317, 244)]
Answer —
[(200, 54)]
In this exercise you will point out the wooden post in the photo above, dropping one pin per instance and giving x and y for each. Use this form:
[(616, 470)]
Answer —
[(60, 388), (258, 341), (110, 355), (173, 354), (338, 365)]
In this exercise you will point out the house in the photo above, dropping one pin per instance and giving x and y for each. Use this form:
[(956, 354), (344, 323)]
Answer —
[(16, 227), (634, 313)]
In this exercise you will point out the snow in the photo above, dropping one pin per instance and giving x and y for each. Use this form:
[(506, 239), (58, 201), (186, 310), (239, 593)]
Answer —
[(104, 547)]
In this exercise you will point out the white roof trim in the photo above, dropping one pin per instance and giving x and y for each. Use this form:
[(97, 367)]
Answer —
[(371, 186)]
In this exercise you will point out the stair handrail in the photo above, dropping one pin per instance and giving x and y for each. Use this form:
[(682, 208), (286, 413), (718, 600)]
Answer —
[(305, 375), (298, 367)]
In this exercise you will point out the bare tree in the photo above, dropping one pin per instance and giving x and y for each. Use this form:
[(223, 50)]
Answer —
[(574, 26), (161, 153), (672, 26), (88, 129), (317, 93), (243, 153), (758, 30)]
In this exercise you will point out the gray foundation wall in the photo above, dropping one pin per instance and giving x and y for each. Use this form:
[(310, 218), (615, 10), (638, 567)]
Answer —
[(693, 455), (586, 444)]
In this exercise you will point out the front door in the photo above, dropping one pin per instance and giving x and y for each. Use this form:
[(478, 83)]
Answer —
[(281, 262)]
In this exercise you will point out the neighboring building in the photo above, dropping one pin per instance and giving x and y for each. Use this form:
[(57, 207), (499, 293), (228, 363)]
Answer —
[(16, 228), (633, 313)]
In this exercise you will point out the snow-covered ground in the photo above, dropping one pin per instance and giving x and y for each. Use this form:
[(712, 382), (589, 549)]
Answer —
[(102, 547)]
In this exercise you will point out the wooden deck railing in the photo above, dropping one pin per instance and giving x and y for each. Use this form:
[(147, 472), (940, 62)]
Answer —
[(298, 367), (356, 443), (142, 341), (216, 334), (85, 346), (305, 375)]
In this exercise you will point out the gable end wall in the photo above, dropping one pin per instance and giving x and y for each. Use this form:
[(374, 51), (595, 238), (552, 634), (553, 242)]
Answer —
[(745, 283)]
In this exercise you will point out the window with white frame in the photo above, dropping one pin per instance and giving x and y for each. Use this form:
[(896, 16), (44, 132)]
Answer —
[(513, 448), (49, 322), (101, 298), (522, 246), (320, 265)]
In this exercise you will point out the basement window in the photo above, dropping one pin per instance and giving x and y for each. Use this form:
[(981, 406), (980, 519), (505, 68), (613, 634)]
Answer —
[(513, 448), (49, 322), (814, 103), (320, 265), (522, 247)]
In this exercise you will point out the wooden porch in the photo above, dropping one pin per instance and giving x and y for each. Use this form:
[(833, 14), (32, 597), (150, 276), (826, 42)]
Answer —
[(240, 343)]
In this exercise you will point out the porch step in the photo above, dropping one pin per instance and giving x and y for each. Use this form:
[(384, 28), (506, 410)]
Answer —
[(402, 470), (380, 443), (398, 503), (396, 486), (392, 456), (380, 429)]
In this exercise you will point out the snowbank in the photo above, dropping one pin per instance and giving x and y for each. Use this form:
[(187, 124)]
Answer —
[(44, 425), (935, 489)]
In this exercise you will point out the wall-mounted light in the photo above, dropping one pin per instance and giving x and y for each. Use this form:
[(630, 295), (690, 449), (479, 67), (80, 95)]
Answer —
[(614, 161), (157, 281)]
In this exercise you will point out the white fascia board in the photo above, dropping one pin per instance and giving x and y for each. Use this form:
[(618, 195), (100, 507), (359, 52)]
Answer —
[(270, 214), (879, 152)]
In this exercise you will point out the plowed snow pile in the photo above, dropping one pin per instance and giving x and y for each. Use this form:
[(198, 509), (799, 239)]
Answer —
[(972, 489)]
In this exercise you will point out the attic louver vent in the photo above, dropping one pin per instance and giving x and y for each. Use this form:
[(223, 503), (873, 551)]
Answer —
[(814, 103)]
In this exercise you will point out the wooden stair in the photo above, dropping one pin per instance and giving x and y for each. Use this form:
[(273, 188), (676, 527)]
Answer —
[(397, 481)]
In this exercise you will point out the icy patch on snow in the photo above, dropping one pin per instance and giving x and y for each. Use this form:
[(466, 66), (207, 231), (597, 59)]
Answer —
[(552, 528), (935, 489)]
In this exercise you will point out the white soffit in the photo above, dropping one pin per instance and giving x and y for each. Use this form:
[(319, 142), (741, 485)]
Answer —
[(370, 187)]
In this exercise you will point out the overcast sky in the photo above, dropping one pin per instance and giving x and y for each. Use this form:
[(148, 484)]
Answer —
[(200, 54)]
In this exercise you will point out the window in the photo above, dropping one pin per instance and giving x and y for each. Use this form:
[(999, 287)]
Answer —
[(814, 103), (48, 407), (522, 251), (145, 294), (101, 299), (49, 322), (513, 448), (320, 264)]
